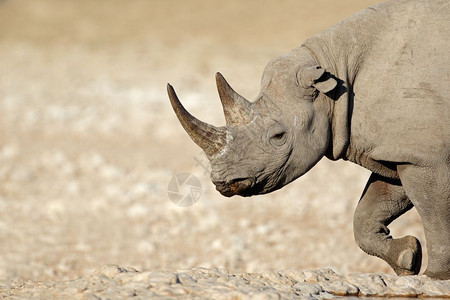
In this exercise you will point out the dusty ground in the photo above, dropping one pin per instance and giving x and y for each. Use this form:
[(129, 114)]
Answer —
[(114, 282), (88, 141)]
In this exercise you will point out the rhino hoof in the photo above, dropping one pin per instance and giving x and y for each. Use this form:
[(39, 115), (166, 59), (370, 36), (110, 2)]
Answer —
[(406, 259), (406, 253)]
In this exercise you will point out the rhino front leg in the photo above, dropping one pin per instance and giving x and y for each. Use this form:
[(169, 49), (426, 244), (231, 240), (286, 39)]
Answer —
[(384, 200), (429, 190)]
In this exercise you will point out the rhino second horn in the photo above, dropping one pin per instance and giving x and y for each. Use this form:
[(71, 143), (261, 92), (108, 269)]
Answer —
[(237, 109), (210, 138)]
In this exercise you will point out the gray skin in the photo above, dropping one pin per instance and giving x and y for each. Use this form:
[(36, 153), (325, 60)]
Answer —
[(373, 89)]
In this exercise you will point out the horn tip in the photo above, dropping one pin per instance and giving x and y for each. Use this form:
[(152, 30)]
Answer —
[(221, 82), (170, 89), (219, 76), (172, 95)]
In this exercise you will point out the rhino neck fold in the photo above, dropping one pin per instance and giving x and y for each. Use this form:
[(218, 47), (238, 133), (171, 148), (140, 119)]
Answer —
[(340, 100), (342, 51)]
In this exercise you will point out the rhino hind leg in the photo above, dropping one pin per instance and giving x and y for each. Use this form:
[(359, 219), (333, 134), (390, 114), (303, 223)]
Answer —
[(429, 190), (383, 201)]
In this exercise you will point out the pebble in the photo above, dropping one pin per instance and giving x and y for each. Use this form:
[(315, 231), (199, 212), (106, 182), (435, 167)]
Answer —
[(114, 282)]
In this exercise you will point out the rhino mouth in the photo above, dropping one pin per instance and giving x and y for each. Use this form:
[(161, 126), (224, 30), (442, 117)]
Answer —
[(238, 186), (245, 187)]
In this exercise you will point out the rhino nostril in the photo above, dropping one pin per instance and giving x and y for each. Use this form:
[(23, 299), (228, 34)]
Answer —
[(238, 180), (232, 181), (227, 182), (241, 183)]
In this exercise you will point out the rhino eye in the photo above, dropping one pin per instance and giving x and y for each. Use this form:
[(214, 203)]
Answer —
[(279, 136), (278, 139)]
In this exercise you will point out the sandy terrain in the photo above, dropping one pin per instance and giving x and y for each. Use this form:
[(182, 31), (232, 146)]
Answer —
[(114, 282), (88, 141)]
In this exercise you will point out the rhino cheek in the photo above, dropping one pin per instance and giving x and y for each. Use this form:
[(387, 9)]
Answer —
[(303, 159), (310, 146)]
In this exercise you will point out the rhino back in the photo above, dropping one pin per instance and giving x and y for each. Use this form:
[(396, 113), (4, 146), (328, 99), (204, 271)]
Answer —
[(402, 90), (395, 61)]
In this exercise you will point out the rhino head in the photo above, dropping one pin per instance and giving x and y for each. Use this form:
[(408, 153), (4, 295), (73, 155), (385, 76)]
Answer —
[(270, 142)]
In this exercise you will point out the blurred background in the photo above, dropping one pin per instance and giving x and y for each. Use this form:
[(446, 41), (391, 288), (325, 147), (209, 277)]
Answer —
[(89, 143)]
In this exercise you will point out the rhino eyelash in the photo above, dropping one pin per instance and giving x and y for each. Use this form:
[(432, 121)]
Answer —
[(279, 136)]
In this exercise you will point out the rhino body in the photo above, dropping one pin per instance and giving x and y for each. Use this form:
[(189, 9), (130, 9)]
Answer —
[(374, 89)]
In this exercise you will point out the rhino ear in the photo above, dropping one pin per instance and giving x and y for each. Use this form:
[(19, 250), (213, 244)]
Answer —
[(325, 86), (316, 77)]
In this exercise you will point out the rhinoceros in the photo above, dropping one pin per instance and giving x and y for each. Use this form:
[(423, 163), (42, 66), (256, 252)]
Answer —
[(373, 89)]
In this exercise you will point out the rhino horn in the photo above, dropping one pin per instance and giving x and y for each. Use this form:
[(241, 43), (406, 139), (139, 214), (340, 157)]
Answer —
[(210, 138), (236, 108)]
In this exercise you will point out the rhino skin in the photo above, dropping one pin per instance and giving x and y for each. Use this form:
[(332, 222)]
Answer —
[(374, 89)]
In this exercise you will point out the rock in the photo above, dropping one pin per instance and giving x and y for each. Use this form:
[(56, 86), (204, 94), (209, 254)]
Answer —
[(369, 285), (111, 271), (112, 282), (310, 289)]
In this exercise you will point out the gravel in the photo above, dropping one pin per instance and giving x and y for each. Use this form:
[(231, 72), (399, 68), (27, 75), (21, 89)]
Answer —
[(115, 282)]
